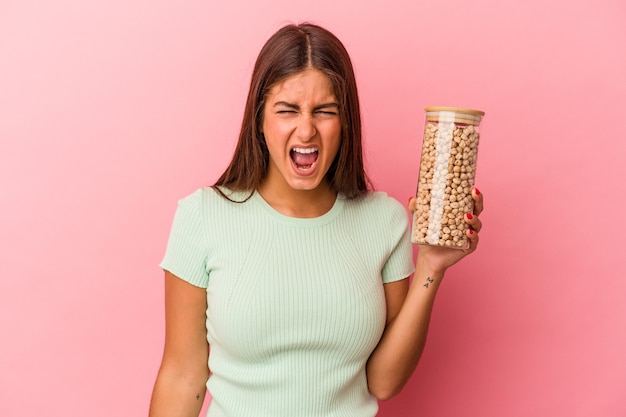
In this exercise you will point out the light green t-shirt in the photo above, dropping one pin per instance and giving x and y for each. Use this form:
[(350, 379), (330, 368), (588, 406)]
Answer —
[(295, 306)]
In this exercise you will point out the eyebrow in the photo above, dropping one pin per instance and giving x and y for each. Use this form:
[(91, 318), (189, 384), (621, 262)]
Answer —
[(297, 107)]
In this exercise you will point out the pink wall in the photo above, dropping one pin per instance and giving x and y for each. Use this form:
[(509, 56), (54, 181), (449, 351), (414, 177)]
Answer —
[(111, 111)]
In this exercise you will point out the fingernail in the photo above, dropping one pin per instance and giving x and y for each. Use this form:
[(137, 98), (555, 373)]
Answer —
[(476, 191), (409, 200), (471, 232)]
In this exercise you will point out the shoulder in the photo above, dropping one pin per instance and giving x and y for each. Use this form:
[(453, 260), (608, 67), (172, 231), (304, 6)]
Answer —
[(192, 199), (201, 204), (377, 203), (215, 211), (382, 214), (210, 196)]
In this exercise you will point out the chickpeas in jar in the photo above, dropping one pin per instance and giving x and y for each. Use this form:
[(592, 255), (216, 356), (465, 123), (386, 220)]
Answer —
[(446, 177)]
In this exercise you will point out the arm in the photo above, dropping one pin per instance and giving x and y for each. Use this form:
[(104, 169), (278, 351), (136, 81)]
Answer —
[(180, 385), (408, 313)]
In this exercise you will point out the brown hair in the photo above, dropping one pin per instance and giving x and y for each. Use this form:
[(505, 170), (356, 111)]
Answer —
[(293, 49)]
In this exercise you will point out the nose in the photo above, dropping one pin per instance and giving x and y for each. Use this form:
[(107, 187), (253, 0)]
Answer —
[(306, 127)]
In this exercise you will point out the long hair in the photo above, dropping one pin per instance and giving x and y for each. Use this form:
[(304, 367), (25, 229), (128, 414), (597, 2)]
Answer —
[(293, 49)]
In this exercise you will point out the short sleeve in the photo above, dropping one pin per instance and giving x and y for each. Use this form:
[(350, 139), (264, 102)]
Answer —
[(399, 264), (186, 252)]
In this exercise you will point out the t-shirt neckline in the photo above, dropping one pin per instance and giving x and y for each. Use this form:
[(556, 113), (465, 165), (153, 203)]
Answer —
[(325, 218)]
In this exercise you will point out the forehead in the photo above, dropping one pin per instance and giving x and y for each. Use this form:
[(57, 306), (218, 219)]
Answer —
[(310, 84)]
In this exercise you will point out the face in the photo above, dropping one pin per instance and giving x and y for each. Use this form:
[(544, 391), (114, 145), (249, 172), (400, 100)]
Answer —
[(302, 129)]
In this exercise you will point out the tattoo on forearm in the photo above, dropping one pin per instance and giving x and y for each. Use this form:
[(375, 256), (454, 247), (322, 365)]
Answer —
[(429, 280)]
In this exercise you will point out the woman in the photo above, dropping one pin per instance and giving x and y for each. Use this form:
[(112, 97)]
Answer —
[(289, 270)]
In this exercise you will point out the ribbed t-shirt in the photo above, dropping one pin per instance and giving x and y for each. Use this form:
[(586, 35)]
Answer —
[(295, 305)]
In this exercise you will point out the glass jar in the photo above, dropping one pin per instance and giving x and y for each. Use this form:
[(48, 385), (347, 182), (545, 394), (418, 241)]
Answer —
[(446, 177)]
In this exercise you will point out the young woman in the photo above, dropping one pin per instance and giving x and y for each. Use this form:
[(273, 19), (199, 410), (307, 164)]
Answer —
[(289, 270)]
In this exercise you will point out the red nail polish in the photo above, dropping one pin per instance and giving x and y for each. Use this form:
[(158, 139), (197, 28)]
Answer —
[(469, 216), (471, 232), (476, 189), (410, 200)]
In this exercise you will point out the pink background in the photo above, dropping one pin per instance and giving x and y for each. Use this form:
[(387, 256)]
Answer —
[(111, 111)]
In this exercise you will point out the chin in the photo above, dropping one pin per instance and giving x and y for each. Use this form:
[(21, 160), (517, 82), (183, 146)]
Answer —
[(305, 184), (298, 185)]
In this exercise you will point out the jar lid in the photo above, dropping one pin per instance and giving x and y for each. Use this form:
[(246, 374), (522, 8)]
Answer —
[(453, 114)]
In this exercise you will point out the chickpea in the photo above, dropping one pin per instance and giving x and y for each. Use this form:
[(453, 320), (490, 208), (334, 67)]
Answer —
[(446, 178)]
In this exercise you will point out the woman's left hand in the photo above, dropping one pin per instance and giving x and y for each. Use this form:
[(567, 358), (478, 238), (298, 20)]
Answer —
[(439, 258)]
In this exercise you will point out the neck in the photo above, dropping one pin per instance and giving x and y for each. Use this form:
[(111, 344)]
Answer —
[(299, 203)]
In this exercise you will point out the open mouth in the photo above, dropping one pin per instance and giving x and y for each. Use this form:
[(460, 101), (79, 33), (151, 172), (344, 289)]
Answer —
[(304, 158)]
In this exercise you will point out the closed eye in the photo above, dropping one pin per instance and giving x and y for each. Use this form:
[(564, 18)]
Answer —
[(327, 109)]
